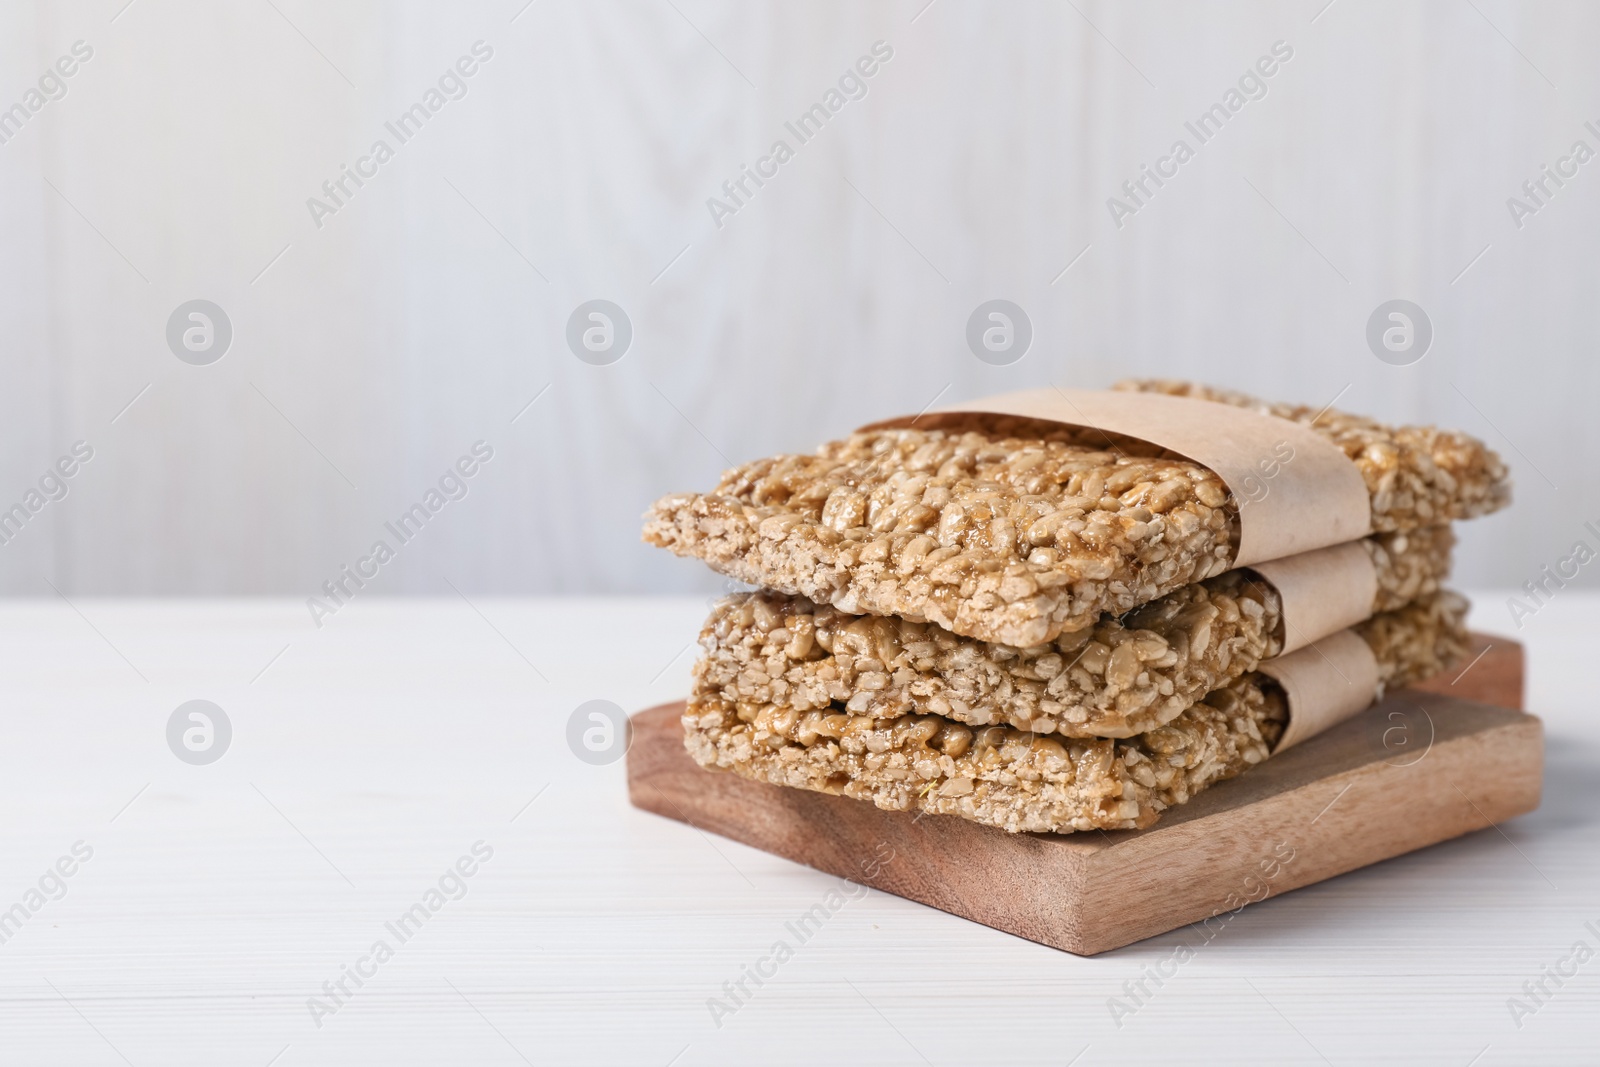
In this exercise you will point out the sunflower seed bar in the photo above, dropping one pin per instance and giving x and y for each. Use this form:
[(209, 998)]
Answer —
[(998, 776), (1123, 676), (1005, 539), (1014, 534), (1020, 781), (1410, 565), (1417, 641)]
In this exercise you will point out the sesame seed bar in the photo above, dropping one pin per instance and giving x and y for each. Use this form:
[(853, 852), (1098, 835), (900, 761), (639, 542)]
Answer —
[(1023, 782), (1015, 531), (1124, 675)]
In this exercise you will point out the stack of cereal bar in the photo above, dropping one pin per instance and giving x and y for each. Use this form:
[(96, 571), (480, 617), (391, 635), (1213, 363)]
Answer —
[(1029, 625)]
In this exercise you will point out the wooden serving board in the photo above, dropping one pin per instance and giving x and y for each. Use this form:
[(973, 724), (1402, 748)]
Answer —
[(1425, 765)]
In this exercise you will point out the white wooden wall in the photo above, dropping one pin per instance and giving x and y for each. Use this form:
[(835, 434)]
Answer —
[(428, 311)]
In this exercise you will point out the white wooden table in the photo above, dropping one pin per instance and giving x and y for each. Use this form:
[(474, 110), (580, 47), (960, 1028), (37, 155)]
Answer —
[(369, 757)]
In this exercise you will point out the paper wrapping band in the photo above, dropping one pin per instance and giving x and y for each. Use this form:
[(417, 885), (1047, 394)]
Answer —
[(1322, 591), (1296, 490), (1324, 683)]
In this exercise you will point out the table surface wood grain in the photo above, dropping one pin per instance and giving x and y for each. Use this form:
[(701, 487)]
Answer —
[(406, 741)]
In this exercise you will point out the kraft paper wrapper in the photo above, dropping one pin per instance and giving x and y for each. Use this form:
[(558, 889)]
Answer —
[(1312, 500), (1322, 592), (1325, 683)]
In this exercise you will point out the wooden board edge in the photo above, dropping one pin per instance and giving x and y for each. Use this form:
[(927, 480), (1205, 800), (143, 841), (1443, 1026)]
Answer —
[(1306, 835), (902, 853), (1073, 882)]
